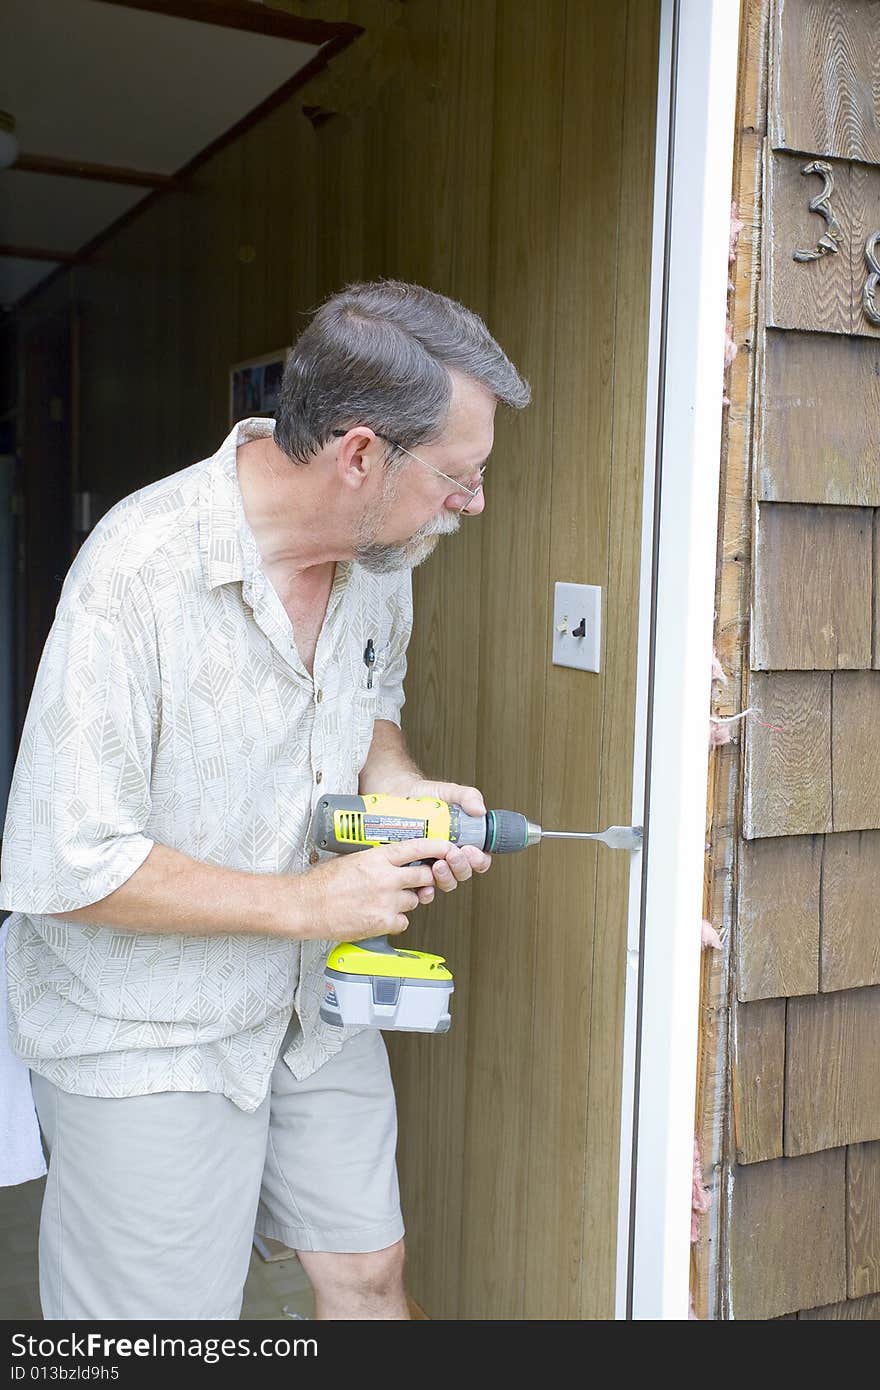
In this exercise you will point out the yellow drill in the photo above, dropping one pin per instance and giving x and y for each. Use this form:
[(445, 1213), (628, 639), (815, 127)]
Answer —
[(372, 983)]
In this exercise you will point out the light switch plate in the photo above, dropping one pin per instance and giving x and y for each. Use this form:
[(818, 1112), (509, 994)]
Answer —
[(577, 607)]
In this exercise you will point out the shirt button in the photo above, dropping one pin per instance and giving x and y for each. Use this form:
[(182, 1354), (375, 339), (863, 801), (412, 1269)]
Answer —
[(319, 697), (314, 857), (318, 776)]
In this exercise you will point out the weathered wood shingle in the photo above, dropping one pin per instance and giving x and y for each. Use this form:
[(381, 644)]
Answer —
[(826, 54), (832, 1076), (788, 754), (857, 1310), (813, 588), (850, 921), (812, 295), (758, 1063), (787, 1239), (863, 1219), (812, 753), (855, 750), (777, 941), (820, 420)]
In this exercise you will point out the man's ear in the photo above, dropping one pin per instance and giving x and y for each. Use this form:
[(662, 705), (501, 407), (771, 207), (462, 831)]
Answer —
[(356, 455)]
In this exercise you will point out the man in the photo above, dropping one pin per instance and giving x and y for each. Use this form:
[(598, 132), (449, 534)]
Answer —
[(203, 685)]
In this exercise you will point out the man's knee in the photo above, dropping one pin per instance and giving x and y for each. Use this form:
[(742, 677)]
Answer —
[(371, 1274)]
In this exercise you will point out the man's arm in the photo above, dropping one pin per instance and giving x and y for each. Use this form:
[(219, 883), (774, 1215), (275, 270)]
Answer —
[(389, 767), (356, 896)]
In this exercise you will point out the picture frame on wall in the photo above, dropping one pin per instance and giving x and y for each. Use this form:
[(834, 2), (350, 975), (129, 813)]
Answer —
[(254, 385)]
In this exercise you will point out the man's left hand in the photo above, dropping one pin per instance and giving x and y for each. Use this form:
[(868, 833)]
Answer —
[(464, 860)]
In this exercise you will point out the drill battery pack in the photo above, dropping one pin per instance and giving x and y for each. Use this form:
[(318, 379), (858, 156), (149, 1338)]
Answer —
[(407, 991)]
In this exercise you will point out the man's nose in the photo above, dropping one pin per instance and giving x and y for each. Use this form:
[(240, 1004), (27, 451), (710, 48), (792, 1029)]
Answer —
[(475, 505)]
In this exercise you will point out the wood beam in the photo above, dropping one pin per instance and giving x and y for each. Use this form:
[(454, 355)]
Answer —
[(37, 253), (345, 34), (243, 14), (102, 173)]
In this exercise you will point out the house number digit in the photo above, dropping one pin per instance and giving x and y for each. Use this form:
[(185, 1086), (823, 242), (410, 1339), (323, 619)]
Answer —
[(869, 292), (828, 241)]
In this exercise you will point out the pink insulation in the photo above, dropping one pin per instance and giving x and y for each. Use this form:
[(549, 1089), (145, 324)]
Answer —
[(709, 937), (700, 1197), (736, 227), (719, 733), (730, 348)]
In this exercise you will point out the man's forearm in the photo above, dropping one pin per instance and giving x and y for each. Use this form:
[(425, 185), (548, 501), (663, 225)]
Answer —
[(389, 767), (171, 892)]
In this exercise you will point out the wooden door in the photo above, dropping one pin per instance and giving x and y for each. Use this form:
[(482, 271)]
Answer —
[(527, 188)]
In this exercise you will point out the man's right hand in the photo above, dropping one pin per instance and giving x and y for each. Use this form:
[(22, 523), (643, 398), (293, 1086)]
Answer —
[(368, 893)]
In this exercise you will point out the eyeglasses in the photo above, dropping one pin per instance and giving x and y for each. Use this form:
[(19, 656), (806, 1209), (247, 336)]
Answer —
[(456, 482)]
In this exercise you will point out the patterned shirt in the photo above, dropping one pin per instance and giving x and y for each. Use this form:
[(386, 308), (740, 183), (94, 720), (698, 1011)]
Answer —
[(171, 706)]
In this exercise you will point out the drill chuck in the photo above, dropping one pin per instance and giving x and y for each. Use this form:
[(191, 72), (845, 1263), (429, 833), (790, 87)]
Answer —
[(498, 832)]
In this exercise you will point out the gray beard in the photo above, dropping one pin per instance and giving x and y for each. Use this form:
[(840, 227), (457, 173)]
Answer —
[(388, 559)]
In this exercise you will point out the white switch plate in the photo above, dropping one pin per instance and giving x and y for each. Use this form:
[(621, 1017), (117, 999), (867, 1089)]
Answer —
[(572, 605)]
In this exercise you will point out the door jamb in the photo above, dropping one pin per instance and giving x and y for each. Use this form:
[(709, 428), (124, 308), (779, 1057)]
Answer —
[(699, 42)]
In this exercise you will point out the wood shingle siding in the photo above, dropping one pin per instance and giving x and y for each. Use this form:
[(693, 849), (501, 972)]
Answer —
[(824, 209), (824, 63), (812, 753), (813, 583), (865, 189), (855, 750), (876, 661), (808, 915), (863, 1219), (788, 754), (777, 945), (758, 1063), (788, 1235), (818, 295), (859, 1310), (850, 929), (832, 1076), (820, 420), (800, 532)]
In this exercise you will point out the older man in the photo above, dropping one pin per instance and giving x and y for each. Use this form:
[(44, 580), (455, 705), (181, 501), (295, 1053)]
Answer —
[(203, 685)]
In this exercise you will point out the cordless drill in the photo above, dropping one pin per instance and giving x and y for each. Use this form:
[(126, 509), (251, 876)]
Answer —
[(372, 983)]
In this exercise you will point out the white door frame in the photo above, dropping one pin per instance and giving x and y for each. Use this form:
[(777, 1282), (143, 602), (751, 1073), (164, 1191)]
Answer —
[(696, 104)]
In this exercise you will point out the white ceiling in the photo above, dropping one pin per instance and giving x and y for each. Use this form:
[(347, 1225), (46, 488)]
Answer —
[(109, 85)]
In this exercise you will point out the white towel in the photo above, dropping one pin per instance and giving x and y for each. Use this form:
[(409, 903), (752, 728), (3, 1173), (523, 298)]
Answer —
[(21, 1152)]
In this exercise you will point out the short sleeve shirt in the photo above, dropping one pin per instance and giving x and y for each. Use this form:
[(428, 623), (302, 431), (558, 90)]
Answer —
[(171, 706)]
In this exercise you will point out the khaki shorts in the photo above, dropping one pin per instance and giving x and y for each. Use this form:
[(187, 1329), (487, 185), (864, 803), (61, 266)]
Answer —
[(151, 1202)]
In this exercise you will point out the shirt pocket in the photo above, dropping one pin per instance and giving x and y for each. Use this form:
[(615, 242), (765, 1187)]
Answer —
[(365, 697)]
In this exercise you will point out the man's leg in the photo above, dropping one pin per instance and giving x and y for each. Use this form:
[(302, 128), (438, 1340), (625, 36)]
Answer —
[(357, 1286), (149, 1205), (330, 1183)]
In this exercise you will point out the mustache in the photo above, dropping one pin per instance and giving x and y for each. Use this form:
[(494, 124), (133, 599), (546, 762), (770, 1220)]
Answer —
[(386, 559)]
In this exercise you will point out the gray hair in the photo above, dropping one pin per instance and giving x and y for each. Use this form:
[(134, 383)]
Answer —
[(381, 355)]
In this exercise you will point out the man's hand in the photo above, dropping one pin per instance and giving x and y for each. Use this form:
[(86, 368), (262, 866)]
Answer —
[(462, 860), (468, 798), (389, 769), (369, 893)]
